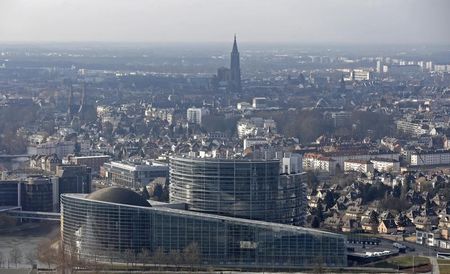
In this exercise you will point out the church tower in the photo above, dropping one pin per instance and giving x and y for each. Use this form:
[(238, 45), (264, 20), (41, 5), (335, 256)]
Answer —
[(235, 69), (69, 103)]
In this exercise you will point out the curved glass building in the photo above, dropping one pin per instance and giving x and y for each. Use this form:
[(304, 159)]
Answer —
[(251, 189), (109, 222)]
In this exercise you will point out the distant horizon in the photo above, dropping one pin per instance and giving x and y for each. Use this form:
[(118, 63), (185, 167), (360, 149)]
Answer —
[(116, 42), (359, 22)]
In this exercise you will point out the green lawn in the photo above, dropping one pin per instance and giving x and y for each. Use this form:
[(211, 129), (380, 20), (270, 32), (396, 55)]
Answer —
[(402, 262), (407, 261), (444, 266)]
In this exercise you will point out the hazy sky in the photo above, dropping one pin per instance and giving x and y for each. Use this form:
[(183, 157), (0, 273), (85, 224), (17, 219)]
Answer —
[(300, 21)]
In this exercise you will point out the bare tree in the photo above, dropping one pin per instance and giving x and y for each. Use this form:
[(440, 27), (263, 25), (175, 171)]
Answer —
[(15, 255), (159, 257), (2, 259), (67, 259), (144, 257), (176, 258), (111, 253), (128, 255), (30, 258), (92, 264), (191, 255), (45, 253)]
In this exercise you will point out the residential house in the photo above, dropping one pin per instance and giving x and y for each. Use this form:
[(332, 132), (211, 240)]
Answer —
[(387, 226)]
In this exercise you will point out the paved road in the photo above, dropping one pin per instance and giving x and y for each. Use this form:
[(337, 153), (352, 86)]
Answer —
[(435, 265)]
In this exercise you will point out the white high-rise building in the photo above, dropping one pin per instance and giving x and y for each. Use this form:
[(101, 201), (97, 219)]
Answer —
[(194, 115), (379, 66)]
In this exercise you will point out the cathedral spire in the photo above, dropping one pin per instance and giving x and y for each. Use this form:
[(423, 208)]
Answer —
[(235, 48), (235, 69)]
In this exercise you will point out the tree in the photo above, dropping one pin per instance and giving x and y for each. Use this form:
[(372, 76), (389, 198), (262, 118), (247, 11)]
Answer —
[(45, 253), (315, 223), (391, 203), (159, 257), (15, 255), (66, 258), (191, 254), (158, 192), (144, 256), (329, 200), (30, 258), (175, 258), (397, 191), (128, 255), (2, 259), (145, 193), (111, 254), (319, 212), (406, 186)]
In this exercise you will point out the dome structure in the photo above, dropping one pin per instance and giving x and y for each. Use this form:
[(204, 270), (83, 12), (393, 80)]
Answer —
[(118, 195)]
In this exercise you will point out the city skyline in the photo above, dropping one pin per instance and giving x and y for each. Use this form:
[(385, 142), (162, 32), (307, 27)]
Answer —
[(223, 135)]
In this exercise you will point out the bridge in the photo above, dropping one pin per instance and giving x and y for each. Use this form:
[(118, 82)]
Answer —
[(35, 215), (14, 156)]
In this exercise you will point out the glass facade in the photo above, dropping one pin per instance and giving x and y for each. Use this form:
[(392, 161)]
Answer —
[(9, 191), (250, 189), (105, 229)]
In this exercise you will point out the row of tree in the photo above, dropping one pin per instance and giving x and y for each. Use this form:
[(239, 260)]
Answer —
[(189, 256), (16, 257), (54, 255)]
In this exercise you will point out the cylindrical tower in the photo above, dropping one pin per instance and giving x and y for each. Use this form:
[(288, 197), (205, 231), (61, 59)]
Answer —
[(243, 188)]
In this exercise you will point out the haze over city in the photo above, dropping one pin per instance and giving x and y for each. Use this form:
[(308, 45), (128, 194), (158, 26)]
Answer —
[(293, 21), (212, 136)]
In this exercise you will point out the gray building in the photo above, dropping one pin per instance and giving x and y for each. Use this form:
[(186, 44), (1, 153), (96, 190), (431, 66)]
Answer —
[(34, 193), (251, 189), (134, 175)]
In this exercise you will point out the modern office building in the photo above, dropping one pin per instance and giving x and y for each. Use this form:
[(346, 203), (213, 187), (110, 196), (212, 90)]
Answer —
[(71, 179), (74, 178), (41, 193), (109, 222), (251, 189), (9, 193), (36, 194), (134, 175)]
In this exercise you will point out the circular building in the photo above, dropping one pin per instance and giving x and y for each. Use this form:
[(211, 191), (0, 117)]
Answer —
[(109, 220), (118, 225), (118, 195), (251, 189)]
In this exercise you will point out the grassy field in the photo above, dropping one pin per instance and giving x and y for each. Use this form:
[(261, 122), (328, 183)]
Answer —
[(402, 262), (407, 261), (444, 266)]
